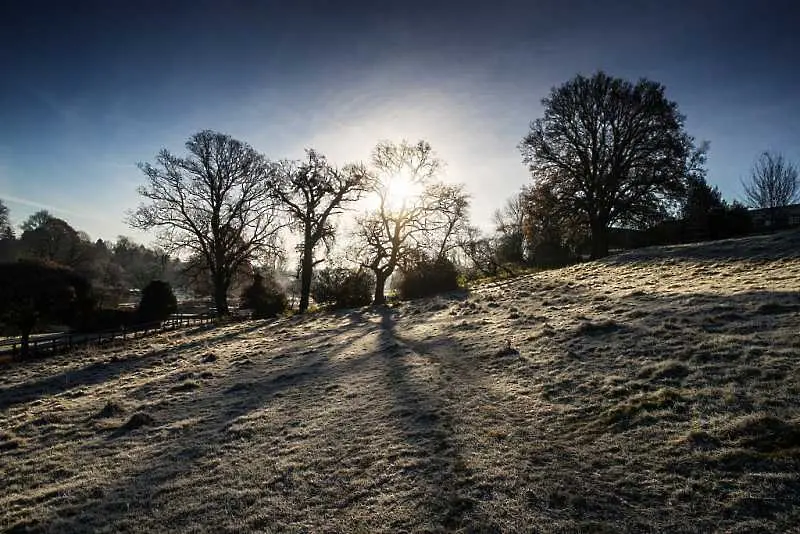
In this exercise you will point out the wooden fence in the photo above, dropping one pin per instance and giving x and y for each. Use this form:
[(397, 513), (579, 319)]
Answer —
[(57, 343)]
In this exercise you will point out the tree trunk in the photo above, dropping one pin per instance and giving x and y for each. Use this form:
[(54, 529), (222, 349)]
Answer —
[(24, 347), (221, 296), (305, 278), (380, 282), (599, 241)]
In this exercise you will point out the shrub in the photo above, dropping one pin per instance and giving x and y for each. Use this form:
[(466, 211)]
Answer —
[(265, 297), (426, 277), (341, 287), (158, 302)]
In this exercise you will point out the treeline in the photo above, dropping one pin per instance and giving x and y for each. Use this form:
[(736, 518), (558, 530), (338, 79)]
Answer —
[(612, 166), (113, 268)]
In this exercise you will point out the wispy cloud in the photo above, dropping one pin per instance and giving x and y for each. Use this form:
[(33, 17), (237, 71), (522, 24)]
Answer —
[(43, 206)]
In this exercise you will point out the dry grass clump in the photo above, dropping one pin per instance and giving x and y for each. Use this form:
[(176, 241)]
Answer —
[(655, 391)]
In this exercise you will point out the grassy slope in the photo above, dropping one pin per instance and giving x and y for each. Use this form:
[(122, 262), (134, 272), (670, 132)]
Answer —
[(654, 391)]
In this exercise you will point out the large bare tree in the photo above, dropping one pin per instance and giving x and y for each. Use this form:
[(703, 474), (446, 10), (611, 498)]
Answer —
[(312, 192), (215, 202), (773, 184), (415, 211), (612, 152)]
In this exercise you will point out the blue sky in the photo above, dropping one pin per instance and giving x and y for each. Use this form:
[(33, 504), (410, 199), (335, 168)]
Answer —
[(91, 88)]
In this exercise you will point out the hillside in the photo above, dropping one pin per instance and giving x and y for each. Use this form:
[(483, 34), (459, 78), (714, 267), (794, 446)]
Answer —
[(653, 391)]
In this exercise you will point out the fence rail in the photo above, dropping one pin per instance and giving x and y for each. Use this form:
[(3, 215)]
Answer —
[(57, 343)]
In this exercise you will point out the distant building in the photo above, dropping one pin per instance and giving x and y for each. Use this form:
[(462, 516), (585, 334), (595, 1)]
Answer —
[(783, 217)]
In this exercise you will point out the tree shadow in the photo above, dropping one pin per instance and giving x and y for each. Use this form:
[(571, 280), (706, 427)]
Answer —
[(427, 425), (103, 371)]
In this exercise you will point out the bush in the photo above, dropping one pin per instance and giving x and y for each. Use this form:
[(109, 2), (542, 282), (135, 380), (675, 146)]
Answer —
[(426, 277), (158, 302), (265, 297), (340, 287)]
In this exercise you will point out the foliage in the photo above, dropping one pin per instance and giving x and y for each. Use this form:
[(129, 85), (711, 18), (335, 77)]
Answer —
[(36, 220), (265, 297), (427, 277), (157, 303), (611, 153), (311, 192), (6, 230), (341, 287), (215, 203), (35, 292), (552, 235), (54, 240)]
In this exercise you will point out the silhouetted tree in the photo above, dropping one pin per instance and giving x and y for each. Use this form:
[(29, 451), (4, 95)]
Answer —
[(215, 203), (552, 230), (6, 230), (399, 226), (509, 223), (36, 220), (158, 302), (32, 292), (614, 152), (7, 240), (483, 252), (54, 240), (773, 184), (312, 191), (445, 219), (701, 209)]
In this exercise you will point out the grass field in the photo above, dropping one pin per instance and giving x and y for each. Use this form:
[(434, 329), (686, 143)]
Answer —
[(655, 391)]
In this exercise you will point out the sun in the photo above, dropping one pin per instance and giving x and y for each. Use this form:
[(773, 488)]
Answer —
[(399, 192)]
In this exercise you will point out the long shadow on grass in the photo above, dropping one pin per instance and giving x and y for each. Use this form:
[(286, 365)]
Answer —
[(99, 372), (428, 427)]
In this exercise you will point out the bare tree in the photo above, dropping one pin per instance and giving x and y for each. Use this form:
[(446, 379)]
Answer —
[(385, 236), (216, 202), (613, 151), (773, 184), (509, 223), (445, 219), (312, 191), (482, 252)]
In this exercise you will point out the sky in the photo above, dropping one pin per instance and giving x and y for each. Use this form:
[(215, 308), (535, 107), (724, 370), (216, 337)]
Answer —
[(89, 89)]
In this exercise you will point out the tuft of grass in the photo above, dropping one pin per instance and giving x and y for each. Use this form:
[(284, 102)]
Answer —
[(110, 409), (763, 433), (597, 328), (669, 370), (138, 420), (626, 414)]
